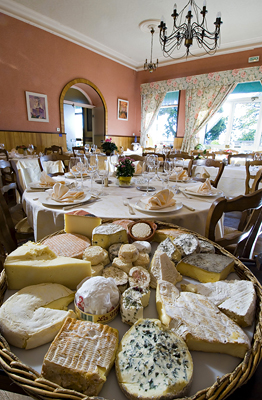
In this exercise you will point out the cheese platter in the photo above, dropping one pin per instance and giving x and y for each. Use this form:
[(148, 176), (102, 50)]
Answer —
[(214, 374)]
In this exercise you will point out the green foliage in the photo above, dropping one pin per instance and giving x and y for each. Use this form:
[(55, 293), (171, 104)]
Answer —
[(108, 145), (125, 167), (171, 125), (247, 122), (215, 132)]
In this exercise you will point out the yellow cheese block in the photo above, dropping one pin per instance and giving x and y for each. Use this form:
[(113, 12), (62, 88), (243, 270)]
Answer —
[(64, 270), (31, 251), (206, 267), (81, 222)]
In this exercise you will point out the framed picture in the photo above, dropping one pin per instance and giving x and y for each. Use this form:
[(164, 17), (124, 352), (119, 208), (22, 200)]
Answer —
[(37, 108), (122, 111)]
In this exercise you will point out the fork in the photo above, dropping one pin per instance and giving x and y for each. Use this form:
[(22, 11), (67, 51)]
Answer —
[(130, 208)]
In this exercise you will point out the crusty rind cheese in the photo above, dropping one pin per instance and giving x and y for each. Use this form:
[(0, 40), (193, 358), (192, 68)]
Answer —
[(187, 243), (153, 363), (33, 316), (206, 267), (203, 327), (68, 244), (162, 234), (168, 247), (162, 268), (81, 356), (236, 298)]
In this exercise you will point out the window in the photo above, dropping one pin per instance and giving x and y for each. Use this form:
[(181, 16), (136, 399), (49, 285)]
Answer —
[(238, 123), (163, 131)]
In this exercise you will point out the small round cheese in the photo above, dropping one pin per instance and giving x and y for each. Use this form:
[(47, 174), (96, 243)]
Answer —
[(139, 277), (95, 254), (142, 261), (128, 253), (142, 246), (141, 230)]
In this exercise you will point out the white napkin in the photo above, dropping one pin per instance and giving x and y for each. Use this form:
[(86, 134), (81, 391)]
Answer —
[(138, 167), (46, 180), (61, 193), (204, 188), (162, 199), (181, 176)]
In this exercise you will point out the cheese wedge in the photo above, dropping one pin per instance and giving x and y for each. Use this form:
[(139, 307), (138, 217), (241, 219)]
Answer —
[(168, 247), (81, 356), (203, 327), (107, 234), (162, 267), (81, 222), (153, 362), (34, 315), (187, 243), (237, 299), (206, 267)]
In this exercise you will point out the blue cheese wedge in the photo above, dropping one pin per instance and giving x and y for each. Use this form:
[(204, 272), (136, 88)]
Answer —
[(162, 268), (206, 267), (153, 362), (132, 303), (237, 299), (200, 323)]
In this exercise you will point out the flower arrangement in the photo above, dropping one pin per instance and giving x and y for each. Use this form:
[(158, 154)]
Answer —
[(125, 167), (108, 146), (22, 147)]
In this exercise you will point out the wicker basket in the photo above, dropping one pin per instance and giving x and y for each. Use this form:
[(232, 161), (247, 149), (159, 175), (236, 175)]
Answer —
[(39, 388)]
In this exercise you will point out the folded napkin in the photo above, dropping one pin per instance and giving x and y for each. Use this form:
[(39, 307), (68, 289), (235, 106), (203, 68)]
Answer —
[(138, 167), (181, 176), (61, 193), (162, 199), (204, 188), (205, 174), (46, 180)]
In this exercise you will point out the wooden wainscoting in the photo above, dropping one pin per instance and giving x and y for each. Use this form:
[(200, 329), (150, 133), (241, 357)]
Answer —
[(123, 141), (40, 140)]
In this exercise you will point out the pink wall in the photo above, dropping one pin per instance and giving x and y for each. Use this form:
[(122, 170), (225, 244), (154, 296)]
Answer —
[(37, 61)]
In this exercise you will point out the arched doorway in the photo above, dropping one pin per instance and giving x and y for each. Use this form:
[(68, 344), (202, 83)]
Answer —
[(95, 115)]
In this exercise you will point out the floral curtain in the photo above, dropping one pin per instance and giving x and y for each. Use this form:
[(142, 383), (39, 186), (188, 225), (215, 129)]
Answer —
[(201, 104), (210, 84), (151, 104)]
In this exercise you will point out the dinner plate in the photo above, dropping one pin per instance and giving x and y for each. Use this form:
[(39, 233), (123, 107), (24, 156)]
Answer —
[(132, 184), (144, 188), (37, 185), (213, 193), (47, 200), (140, 205)]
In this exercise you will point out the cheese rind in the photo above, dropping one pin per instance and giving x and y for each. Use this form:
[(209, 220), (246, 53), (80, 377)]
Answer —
[(237, 299), (162, 268), (81, 356), (107, 234), (34, 315), (206, 267), (168, 247), (153, 363)]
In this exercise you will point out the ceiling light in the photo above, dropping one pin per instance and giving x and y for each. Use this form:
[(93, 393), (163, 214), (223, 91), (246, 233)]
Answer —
[(184, 30), (150, 66)]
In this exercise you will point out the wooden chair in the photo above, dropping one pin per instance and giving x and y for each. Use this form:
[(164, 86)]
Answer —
[(250, 176), (80, 149), (208, 162), (245, 236), (184, 155), (244, 156), (50, 157), (136, 157), (4, 154), (53, 149)]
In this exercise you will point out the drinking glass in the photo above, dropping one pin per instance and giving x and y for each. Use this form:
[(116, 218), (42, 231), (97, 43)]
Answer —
[(103, 171), (73, 167), (82, 168), (178, 166), (93, 148), (87, 148), (114, 159), (31, 149), (168, 167), (93, 166), (148, 173), (162, 174)]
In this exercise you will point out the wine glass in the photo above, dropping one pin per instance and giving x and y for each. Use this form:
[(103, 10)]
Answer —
[(82, 168), (148, 173), (73, 167), (31, 149), (114, 159), (93, 148), (162, 174), (103, 170), (87, 147), (178, 166), (168, 167), (93, 166)]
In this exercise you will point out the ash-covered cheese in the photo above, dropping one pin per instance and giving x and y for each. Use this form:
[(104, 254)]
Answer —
[(206, 247), (132, 303), (113, 250), (106, 234), (168, 247), (187, 244), (153, 363), (141, 230), (206, 267), (237, 299)]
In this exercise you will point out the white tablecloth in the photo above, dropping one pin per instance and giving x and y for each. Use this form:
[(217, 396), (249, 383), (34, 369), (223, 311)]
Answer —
[(47, 220)]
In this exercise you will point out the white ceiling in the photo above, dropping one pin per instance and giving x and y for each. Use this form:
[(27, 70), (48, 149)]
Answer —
[(111, 27)]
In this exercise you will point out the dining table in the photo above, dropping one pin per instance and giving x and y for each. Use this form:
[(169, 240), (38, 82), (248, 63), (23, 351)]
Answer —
[(111, 202)]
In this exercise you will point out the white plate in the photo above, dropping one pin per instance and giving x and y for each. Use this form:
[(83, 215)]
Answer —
[(213, 193), (36, 185), (140, 205), (47, 200)]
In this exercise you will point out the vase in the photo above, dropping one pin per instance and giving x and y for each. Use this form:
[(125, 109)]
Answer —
[(124, 180)]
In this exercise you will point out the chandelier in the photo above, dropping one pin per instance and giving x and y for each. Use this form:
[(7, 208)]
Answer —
[(150, 66), (184, 30)]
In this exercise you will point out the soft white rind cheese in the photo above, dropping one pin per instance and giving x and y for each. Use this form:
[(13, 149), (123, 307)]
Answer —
[(203, 327), (153, 363), (237, 299), (107, 234), (162, 268), (25, 319)]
